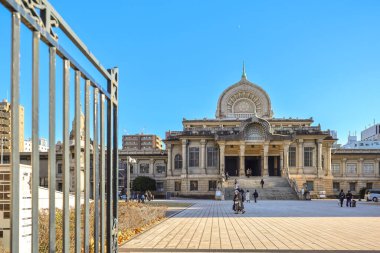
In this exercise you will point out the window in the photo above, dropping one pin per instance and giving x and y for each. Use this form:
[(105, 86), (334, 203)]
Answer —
[(160, 168), (212, 154), (308, 156), (194, 157), (310, 185), (336, 186), (368, 168), (178, 162), (351, 168), (352, 187), (144, 168), (6, 215), (369, 186), (1, 234), (59, 168), (193, 185), (292, 156), (212, 185), (160, 186), (335, 168), (177, 186)]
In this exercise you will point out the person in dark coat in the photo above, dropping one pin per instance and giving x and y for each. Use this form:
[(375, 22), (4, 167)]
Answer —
[(341, 196), (255, 196), (349, 198), (262, 183)]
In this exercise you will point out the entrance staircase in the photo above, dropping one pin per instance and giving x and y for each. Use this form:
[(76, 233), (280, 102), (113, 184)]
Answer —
[(275, 188)]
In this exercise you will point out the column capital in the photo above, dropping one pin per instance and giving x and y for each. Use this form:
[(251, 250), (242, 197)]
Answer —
[(344, 159), (319, 141), (203, 142), (300, 141), (169, 145), (361, 160), (184, 142)]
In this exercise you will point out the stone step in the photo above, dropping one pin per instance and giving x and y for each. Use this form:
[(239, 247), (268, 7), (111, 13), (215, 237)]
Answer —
[(274, 188)]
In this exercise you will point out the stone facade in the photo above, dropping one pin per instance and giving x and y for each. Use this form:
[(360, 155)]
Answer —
[(245, 135)]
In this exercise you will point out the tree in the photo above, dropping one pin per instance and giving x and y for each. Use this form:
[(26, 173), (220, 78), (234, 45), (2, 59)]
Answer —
[(143, 184)]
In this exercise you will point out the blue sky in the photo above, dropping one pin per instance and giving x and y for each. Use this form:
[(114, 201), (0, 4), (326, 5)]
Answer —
[(317, 59)]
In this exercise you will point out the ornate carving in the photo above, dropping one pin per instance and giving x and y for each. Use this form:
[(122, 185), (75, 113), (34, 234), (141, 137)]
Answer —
[(255, 131), (244, 97), (114, 235), (42, 14)]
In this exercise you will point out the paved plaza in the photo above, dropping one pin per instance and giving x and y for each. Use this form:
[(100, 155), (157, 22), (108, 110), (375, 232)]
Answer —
[(266, 226)]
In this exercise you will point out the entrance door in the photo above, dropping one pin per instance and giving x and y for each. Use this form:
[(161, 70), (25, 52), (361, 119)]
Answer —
[(232, 165), (254, 163), (274, 166)]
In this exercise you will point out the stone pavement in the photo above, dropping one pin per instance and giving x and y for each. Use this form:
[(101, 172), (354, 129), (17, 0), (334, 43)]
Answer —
[(212, 226)]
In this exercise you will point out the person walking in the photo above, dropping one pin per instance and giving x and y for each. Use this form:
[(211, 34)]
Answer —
[(248, 196), (238, 199), (341, 196), (262, 183), (303, 193), (349, 198), (255, 196)]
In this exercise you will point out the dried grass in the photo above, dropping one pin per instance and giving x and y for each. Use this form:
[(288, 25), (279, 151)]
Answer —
[(133, 219)]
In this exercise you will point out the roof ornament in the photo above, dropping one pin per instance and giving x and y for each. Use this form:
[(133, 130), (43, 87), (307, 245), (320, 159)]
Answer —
[(244, 75)]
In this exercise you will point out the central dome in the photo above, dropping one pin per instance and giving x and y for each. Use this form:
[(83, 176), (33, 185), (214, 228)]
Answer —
[(244, 100)]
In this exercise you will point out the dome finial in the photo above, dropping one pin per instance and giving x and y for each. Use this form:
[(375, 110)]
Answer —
[(244, 75)]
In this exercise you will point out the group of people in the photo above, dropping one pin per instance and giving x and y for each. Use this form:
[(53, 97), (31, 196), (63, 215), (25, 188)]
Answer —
[(240, 197), (141, 197), (349, 201)]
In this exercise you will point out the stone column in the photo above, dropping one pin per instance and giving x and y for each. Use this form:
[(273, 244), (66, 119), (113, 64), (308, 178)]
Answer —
[(184, 157), (242, 160), (376, 167), (328, 160), (360, 168), (319, 158), (300, 156), (282, 163), (266, 149), (286, 158), (170, 167), (151, 165), (128, 179), (203, 156), (221, 158), (344, 172)]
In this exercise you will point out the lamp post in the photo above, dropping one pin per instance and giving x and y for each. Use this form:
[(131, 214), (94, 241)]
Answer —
[(130, 161)]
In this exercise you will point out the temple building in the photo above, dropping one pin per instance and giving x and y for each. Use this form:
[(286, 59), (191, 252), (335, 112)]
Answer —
[(245, 139)]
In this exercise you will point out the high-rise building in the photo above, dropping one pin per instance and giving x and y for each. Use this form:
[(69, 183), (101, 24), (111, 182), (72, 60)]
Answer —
[(5, 126), (43, 145), (371, 134), (142, 142)]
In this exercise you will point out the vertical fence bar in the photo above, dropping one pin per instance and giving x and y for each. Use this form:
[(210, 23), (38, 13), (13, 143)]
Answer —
[(66, 157), (77, 163), (115, 178), (96, 172), (87, 168), (52, 158), (102, 176), (35, 135), (109, 176), (15, 160)]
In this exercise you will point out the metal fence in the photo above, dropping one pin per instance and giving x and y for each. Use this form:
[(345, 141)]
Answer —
[(41, 18)]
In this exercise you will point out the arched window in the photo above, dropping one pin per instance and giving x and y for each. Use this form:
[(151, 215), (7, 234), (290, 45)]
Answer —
[(178, 162)]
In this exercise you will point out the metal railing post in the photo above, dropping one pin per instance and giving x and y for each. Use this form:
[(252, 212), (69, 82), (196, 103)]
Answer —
[(52, 151), (15, 121), (35, 144), (66, 157)]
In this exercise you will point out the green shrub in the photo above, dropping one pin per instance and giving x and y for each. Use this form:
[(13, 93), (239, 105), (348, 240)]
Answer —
[(143, 184)]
